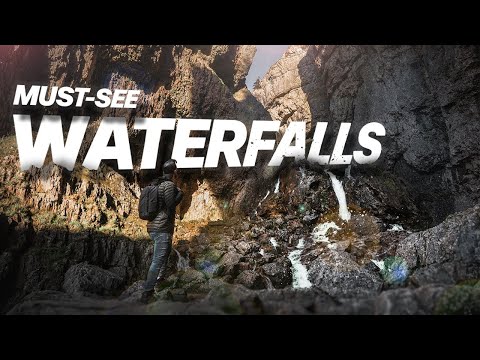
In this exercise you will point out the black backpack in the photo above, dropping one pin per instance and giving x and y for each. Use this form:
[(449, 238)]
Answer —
[(149, 205)]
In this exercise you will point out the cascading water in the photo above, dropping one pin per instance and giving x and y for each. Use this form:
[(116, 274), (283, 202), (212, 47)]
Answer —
[(319, 233), (300, 273), (277, 186), (396, 227), (341, 197), (260, 203), (273, 242)]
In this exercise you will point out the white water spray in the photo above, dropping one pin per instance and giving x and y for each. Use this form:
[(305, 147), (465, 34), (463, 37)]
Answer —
[(379, 263), (396, 227), (341, 197), (319, 232), (273, 242), (300, 273), (260, 203), (277, 186), (302, 177)]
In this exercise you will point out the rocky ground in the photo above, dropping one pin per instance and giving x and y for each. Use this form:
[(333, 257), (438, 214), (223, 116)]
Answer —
[(246, 265)]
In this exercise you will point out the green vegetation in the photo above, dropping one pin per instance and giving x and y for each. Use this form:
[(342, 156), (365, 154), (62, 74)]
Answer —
[(47, 219)]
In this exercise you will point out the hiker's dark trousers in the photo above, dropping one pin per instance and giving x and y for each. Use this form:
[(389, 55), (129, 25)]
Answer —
[(162, 245)]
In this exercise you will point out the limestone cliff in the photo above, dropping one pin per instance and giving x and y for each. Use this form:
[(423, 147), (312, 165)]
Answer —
[(426, 97)]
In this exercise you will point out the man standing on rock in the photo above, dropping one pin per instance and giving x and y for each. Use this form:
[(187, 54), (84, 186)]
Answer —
[(162, 226)]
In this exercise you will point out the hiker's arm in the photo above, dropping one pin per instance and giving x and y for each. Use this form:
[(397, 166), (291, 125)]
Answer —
[(179, 196), (169, 196)]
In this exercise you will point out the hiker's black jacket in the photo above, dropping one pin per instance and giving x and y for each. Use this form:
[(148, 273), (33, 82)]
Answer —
[(169, 197)]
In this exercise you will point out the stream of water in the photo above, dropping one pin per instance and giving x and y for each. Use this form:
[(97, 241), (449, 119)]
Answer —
[(300, 272), (342, 199), (182, 263)]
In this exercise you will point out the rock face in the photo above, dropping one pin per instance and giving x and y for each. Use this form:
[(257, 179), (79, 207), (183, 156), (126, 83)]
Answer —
[(446, 253), (175, 81), (283, 90), (425, 96), (24, 65), (48, 260)]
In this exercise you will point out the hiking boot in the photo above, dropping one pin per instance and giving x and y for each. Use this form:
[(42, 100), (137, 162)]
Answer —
[(147, 296)]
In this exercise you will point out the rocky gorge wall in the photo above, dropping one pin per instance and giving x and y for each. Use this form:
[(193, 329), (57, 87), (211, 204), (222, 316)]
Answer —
[(427, 97)]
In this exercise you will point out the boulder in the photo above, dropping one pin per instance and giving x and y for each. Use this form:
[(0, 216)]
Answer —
[(229, 264), (279, 273), (339, 276), (446, 253), (251, 280), (83, 278)]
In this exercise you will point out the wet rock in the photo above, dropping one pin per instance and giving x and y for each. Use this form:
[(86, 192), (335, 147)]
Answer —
[(229, 264), (178, 295), (310, 219), (84, 279), (244, 247), (339, 276), (251, 280), (446, 253), (419, 301), (133, 293), (365, 224), (279, 273), (191, 280)]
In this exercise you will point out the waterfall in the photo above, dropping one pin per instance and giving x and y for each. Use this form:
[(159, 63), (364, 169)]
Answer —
[(342, 199), (396, 227), (302, 177), (182, 263), (277, 186), (268, 193), (300, 273), (260, 203), (348, 171)]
